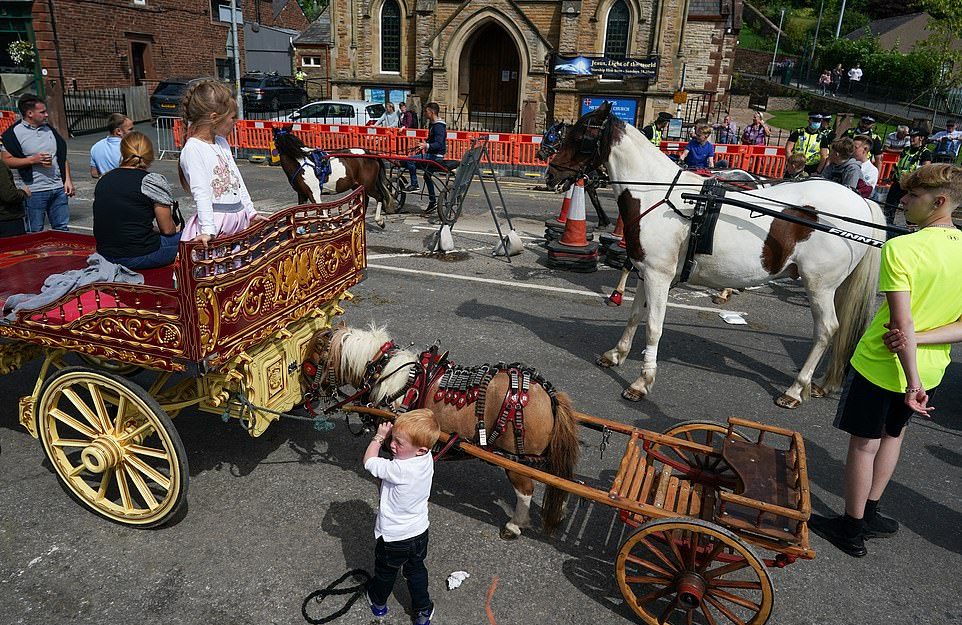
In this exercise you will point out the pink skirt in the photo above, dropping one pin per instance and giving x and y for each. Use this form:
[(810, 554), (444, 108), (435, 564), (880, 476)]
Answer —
[(227, 224)]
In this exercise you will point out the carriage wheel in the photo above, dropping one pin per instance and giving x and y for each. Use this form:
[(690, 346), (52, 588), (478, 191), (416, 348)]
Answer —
[(448, 214), (687, 571), (398, 182), (706, 433), (113, 447), (110, 366)]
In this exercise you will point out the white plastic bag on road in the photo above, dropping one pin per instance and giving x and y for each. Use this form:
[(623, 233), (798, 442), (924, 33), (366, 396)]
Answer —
[(455, 579)]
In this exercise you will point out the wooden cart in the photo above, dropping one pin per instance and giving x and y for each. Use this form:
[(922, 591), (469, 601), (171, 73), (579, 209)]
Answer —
[(702, 498), (224, 328)]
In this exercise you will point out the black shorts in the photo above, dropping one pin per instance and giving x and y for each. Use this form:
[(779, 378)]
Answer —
[(867, 411)]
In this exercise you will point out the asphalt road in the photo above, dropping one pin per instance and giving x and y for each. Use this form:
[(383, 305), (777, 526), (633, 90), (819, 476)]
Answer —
[(275, 518)]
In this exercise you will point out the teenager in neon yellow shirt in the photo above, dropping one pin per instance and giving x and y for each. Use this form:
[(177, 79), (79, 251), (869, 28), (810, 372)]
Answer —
[(923, 293)]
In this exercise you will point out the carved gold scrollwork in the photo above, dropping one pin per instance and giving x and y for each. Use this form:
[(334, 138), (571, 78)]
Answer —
[(208, 320), (13, 355), (145, 328), (288, 282)]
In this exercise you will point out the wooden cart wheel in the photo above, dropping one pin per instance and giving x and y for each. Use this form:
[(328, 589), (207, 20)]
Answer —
[(688, 571), (113, 446), (706, 433), (110, 366)]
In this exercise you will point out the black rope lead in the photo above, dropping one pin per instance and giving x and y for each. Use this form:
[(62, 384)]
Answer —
[(320, 594)]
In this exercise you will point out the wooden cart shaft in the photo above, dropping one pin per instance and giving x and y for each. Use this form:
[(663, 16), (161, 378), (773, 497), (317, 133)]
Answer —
[(595, 494)]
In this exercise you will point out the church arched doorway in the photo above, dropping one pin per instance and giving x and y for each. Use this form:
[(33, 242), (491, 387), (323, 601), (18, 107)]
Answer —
[(490, 80)]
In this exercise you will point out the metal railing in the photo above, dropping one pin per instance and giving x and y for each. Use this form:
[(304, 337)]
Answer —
[(87, 111)]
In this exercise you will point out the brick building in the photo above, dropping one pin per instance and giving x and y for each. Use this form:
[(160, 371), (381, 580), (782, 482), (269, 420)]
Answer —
[(312, 55), (497, 59), (93, 44), (110, 43)]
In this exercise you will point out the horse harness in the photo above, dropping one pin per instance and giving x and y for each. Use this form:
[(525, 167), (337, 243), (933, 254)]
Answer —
[(434, 376), (704, 218), (320, 162)]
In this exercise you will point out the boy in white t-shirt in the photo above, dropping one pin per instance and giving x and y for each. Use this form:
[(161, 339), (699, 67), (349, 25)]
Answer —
[(401, 528)]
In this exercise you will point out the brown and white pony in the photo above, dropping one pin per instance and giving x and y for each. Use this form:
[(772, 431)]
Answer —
[(342, 356), (349, 170), (839, 275)]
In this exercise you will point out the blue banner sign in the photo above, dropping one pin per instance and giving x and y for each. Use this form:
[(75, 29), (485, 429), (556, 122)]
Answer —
[(625, 109), (606, 66)]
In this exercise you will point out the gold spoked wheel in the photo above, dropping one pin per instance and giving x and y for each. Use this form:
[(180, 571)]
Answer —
[(692, 572), (706, 433), (113, 446), (110, 366)]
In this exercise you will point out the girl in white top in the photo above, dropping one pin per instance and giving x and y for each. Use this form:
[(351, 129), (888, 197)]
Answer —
[(207, 167)]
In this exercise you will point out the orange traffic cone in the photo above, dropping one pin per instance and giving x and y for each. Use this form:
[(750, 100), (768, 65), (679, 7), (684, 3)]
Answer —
[(554, 227), (608, 239), (574, 252)]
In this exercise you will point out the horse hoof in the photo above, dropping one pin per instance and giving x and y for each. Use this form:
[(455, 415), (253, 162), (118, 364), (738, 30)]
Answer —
[(818, 391), (380, 224), (718, 299), (787, 402), (507, 534), (604, 361), (632, 395)]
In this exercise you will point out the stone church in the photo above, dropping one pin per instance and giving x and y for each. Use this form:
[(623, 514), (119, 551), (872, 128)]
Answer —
[(513, 64)]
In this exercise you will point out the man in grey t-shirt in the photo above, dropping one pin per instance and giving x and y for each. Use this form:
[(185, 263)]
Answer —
[(38, 155)]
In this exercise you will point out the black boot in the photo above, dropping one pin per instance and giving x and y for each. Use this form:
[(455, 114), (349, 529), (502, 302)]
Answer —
[(844, 532), (876, 525)]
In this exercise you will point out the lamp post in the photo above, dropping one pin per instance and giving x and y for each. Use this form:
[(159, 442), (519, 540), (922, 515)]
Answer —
[(236, 55), (841, 14), (818, 26), (778, 37)]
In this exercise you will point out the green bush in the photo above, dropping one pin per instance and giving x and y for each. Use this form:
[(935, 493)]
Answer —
[(906, 74)]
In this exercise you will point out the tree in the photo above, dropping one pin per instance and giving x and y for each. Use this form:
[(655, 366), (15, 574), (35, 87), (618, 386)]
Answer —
[(313, 8), (944, 29)]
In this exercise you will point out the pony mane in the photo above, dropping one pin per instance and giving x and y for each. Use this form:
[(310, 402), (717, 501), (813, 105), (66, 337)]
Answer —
[(353, 348), (289, 144)]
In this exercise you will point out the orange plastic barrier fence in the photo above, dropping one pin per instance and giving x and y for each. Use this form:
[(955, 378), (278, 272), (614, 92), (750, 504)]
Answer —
[(766, 160), (889, 159), (504, 148), (526, 150), (7, 119)]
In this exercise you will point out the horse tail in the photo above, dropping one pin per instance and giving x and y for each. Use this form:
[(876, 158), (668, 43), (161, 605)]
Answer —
[(384, 188), (855, 305), (563, 451)]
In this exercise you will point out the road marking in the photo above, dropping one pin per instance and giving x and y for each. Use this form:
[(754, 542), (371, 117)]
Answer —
[(424, 253), (486, 234), (534, 287)]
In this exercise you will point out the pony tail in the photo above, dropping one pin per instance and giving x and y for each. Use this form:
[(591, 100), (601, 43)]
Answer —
[(855, 305), (563, 452)]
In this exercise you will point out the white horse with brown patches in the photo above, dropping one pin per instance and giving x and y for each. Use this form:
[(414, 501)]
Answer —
[(839, 275)]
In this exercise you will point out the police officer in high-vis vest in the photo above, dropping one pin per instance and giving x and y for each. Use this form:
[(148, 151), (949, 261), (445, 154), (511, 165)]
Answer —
[(913, 157), (655, 131), (866, 128), (809, 142)]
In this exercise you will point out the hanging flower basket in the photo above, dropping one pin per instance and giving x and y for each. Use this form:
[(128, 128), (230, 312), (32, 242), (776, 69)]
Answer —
[(22, 52)]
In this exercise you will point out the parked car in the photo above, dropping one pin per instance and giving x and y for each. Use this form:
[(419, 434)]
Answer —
[(167, 98), (270, 92), (349, 112)]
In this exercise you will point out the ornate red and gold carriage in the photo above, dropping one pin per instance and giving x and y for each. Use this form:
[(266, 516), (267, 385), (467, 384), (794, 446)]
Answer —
[(225, 328)]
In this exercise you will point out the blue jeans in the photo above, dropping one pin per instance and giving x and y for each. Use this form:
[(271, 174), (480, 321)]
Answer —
[(389, 558), (52, 205), (428, 170), (163, 255)]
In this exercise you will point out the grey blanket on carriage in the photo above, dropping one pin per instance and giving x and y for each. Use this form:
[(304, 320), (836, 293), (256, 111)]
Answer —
[(98, 269)]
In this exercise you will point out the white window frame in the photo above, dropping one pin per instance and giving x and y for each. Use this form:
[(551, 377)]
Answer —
[(380, 39), (304, 62)]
